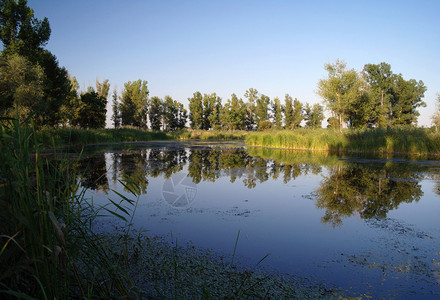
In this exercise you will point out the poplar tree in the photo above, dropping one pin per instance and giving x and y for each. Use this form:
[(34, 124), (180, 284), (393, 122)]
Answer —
[(262, 109), (134, 103), (338, 90), (155, 113), (214, 118), (234, 113), (102, 88), (288, 112), (298, 114), (314, 115), (209, 102), (252, 96), (116, 114), (196, 110), (277, 113)]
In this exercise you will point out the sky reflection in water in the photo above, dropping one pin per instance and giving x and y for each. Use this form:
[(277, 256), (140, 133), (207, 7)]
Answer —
[(367, 224)]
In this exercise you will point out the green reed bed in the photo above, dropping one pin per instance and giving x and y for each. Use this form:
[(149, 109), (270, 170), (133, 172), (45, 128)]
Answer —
[(210, 134), (405, 140), (77, 136)]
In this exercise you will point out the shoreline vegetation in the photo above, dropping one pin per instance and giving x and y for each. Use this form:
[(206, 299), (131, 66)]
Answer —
[(393, 140), (402, 140)]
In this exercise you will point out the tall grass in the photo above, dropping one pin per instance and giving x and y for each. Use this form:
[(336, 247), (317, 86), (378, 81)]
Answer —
[(77, 136), (47, 247), (210, 134), (402, 140)]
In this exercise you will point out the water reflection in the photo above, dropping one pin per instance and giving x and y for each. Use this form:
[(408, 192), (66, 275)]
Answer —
[(93, 173), (353, 188), (348, 187)]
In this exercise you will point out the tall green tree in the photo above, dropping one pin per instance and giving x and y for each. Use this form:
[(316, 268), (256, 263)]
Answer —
[(298, 114), (339, 90), (21, 86), (214, 118), (407, 98), (209, 103), (314, 115), (288, 111), (92, 111), (116, 113), (170, 114), (20, 31), (262, 108), (23, 34), (234, 113), (252, 96), (182, 114), (72, 105), (380, 81), (155, 113), (277, 113), (196, 110), (134, 103), (103, 88)]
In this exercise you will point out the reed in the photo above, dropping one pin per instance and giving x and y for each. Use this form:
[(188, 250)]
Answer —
[(398, 140), (210, 134), (47, 247), (49, 137)]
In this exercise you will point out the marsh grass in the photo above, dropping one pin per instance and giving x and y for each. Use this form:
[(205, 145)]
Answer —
[(210, 134), (47, 247), (399, 140), (49, 137)]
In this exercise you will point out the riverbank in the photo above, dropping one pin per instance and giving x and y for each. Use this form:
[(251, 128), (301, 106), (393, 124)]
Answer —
[(413, 141)]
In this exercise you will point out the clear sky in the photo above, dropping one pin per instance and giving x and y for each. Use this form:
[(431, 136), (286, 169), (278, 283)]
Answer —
[(226, 47)]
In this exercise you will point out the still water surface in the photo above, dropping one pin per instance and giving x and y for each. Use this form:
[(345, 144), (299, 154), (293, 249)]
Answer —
[(369, 225)]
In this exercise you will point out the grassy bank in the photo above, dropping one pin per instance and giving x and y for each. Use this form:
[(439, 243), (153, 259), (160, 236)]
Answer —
[(417, 141)]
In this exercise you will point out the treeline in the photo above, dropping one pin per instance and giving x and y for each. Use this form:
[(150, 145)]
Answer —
[(134, 108), (258, 112)]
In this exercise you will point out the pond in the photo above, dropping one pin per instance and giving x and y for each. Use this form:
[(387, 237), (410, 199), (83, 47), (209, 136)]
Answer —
[(369, 225)]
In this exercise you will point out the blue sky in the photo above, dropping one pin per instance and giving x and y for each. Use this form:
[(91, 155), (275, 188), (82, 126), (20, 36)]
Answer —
[(226, 47)]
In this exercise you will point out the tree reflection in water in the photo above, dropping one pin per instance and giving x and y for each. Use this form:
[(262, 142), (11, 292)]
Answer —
[(353, 188), (348, 187)]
